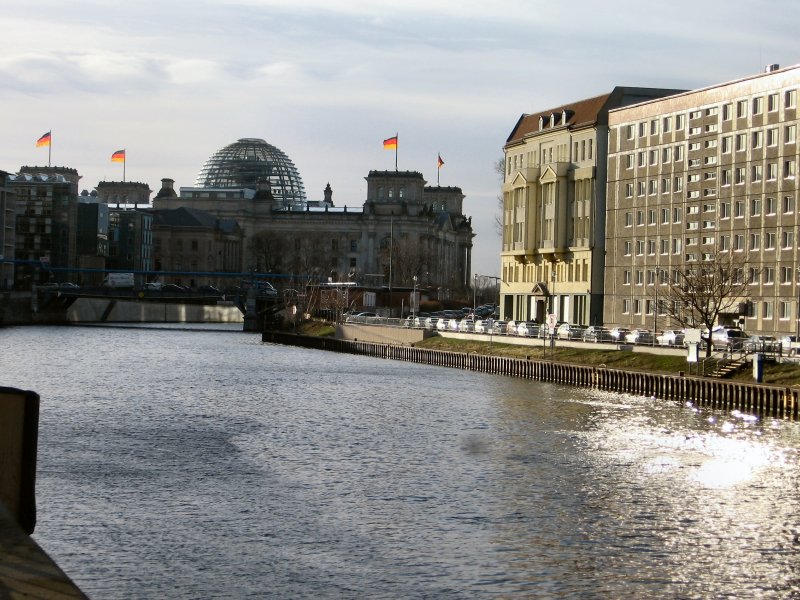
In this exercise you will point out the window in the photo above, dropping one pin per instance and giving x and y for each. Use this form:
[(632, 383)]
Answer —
[(639, 217), (756, 173), (755, 207), (693, 178), (708, 224), (772, 102), (641, 187), (695, 130), (629, 190), (769, 275), (790, 134), (626, 277), (710, 144), (785, 309), (653, 186), (642, 159), (786, 275), (639, 277), (769, 206), (639, 247), (725, 177), (787, 238), (353, 245), (724, 210), (724, 243), (678, 184), (738, 241), (692, 225), (676, 214), (767, 310), (666, 155), (694, 146), (629, 132), (654, 127), (695, 114), (680, 122), (741, 109), (627, 248), (637, 307), (666, 124), (664, 246), (772, 171), (790, 99), (758, 139), (755, 241), (626, 306), (629, 161), (739, 175), (628, 219), (753, 276), (789, 169), (726, 112), (664, 216), (642, 129), (712, 128), (678, 153), (738, 208), (772, 136), (653, 157), (665, 185), (651, 247), (676, 245), (758, 105), (741, 142), (651, 216), (769, 240), (788, 204)]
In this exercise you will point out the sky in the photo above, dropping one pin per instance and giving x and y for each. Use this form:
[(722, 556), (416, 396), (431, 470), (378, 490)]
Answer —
[(326, 81)]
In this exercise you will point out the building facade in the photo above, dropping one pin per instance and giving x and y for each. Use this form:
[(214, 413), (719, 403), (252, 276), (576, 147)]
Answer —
[(8, 209), (706, 175), (553, 244)]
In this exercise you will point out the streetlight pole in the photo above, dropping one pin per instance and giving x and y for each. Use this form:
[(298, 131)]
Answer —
[(474, 288), (414, 301), (656, 282)]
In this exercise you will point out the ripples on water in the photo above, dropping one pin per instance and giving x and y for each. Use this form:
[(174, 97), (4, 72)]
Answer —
[(181, 464)]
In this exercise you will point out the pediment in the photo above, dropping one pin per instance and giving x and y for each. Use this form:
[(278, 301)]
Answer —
[(540, 289), (548, 175), (519, 179)]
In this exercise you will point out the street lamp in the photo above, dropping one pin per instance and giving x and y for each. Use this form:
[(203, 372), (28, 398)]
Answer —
[(656, 282), (414, 301), (474, 288)]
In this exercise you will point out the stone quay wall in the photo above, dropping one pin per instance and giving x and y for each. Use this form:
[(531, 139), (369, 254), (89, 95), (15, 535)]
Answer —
[(762, 400)]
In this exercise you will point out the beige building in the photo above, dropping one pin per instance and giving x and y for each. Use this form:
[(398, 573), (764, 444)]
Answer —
[(554, 210), (699, 175)]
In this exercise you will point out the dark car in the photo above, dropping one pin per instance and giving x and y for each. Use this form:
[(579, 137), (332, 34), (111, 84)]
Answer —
[(209, 290), (172, 287)]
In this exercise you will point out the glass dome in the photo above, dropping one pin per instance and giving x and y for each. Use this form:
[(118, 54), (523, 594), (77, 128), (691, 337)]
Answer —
[(243, 163)]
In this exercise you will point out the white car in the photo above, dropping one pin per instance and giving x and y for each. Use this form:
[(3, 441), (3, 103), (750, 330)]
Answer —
[(639, 336), (466, 325), (670, 337), (480, 326)]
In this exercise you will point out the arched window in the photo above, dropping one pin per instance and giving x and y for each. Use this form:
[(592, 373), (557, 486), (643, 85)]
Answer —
[(401, 192), (391, 192), (381, 192)]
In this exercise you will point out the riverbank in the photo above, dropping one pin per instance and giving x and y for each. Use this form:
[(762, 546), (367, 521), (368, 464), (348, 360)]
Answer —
[(778, 374)]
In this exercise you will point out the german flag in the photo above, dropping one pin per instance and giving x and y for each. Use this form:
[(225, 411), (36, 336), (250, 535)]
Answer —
[(118, 156), (439, 162), (390, 144), (44, 140)]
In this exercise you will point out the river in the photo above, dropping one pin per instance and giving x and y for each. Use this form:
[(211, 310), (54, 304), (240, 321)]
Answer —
[(206, 464)]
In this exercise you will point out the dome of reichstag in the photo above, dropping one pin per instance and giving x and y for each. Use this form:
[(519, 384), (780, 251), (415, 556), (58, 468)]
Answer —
[(248, 160)]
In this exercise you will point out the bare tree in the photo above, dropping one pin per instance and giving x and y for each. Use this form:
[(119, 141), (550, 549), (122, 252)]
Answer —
[(500, 169), (702, 292), (267, 252)]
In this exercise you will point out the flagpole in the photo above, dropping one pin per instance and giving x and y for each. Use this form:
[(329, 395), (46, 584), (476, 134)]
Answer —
[(124, 159), (438, 167), (397, 144), (50, 149)]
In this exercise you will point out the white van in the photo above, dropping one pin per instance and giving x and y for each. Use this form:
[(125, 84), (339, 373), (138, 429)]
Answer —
[(118, 280)]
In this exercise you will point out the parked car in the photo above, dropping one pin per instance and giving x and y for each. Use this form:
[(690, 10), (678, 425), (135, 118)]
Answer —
[(499, 327), (595, 333), (618, 333), (761, 343), (153, 285), (511, 327), (790, 344), (671, 337), (209, 290), (442, 324), (480, 326), (639, 336), (727, 337), (466, 325), (173, 287), (528, 329), (566, 331)]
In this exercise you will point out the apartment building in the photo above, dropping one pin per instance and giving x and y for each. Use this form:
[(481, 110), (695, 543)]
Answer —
[(701, 176), (554, 187)]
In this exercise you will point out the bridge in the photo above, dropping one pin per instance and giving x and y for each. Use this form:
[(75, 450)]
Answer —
[(257, 308)]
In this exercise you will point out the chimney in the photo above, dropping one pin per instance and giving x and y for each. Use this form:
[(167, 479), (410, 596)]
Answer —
[(771, 68)]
